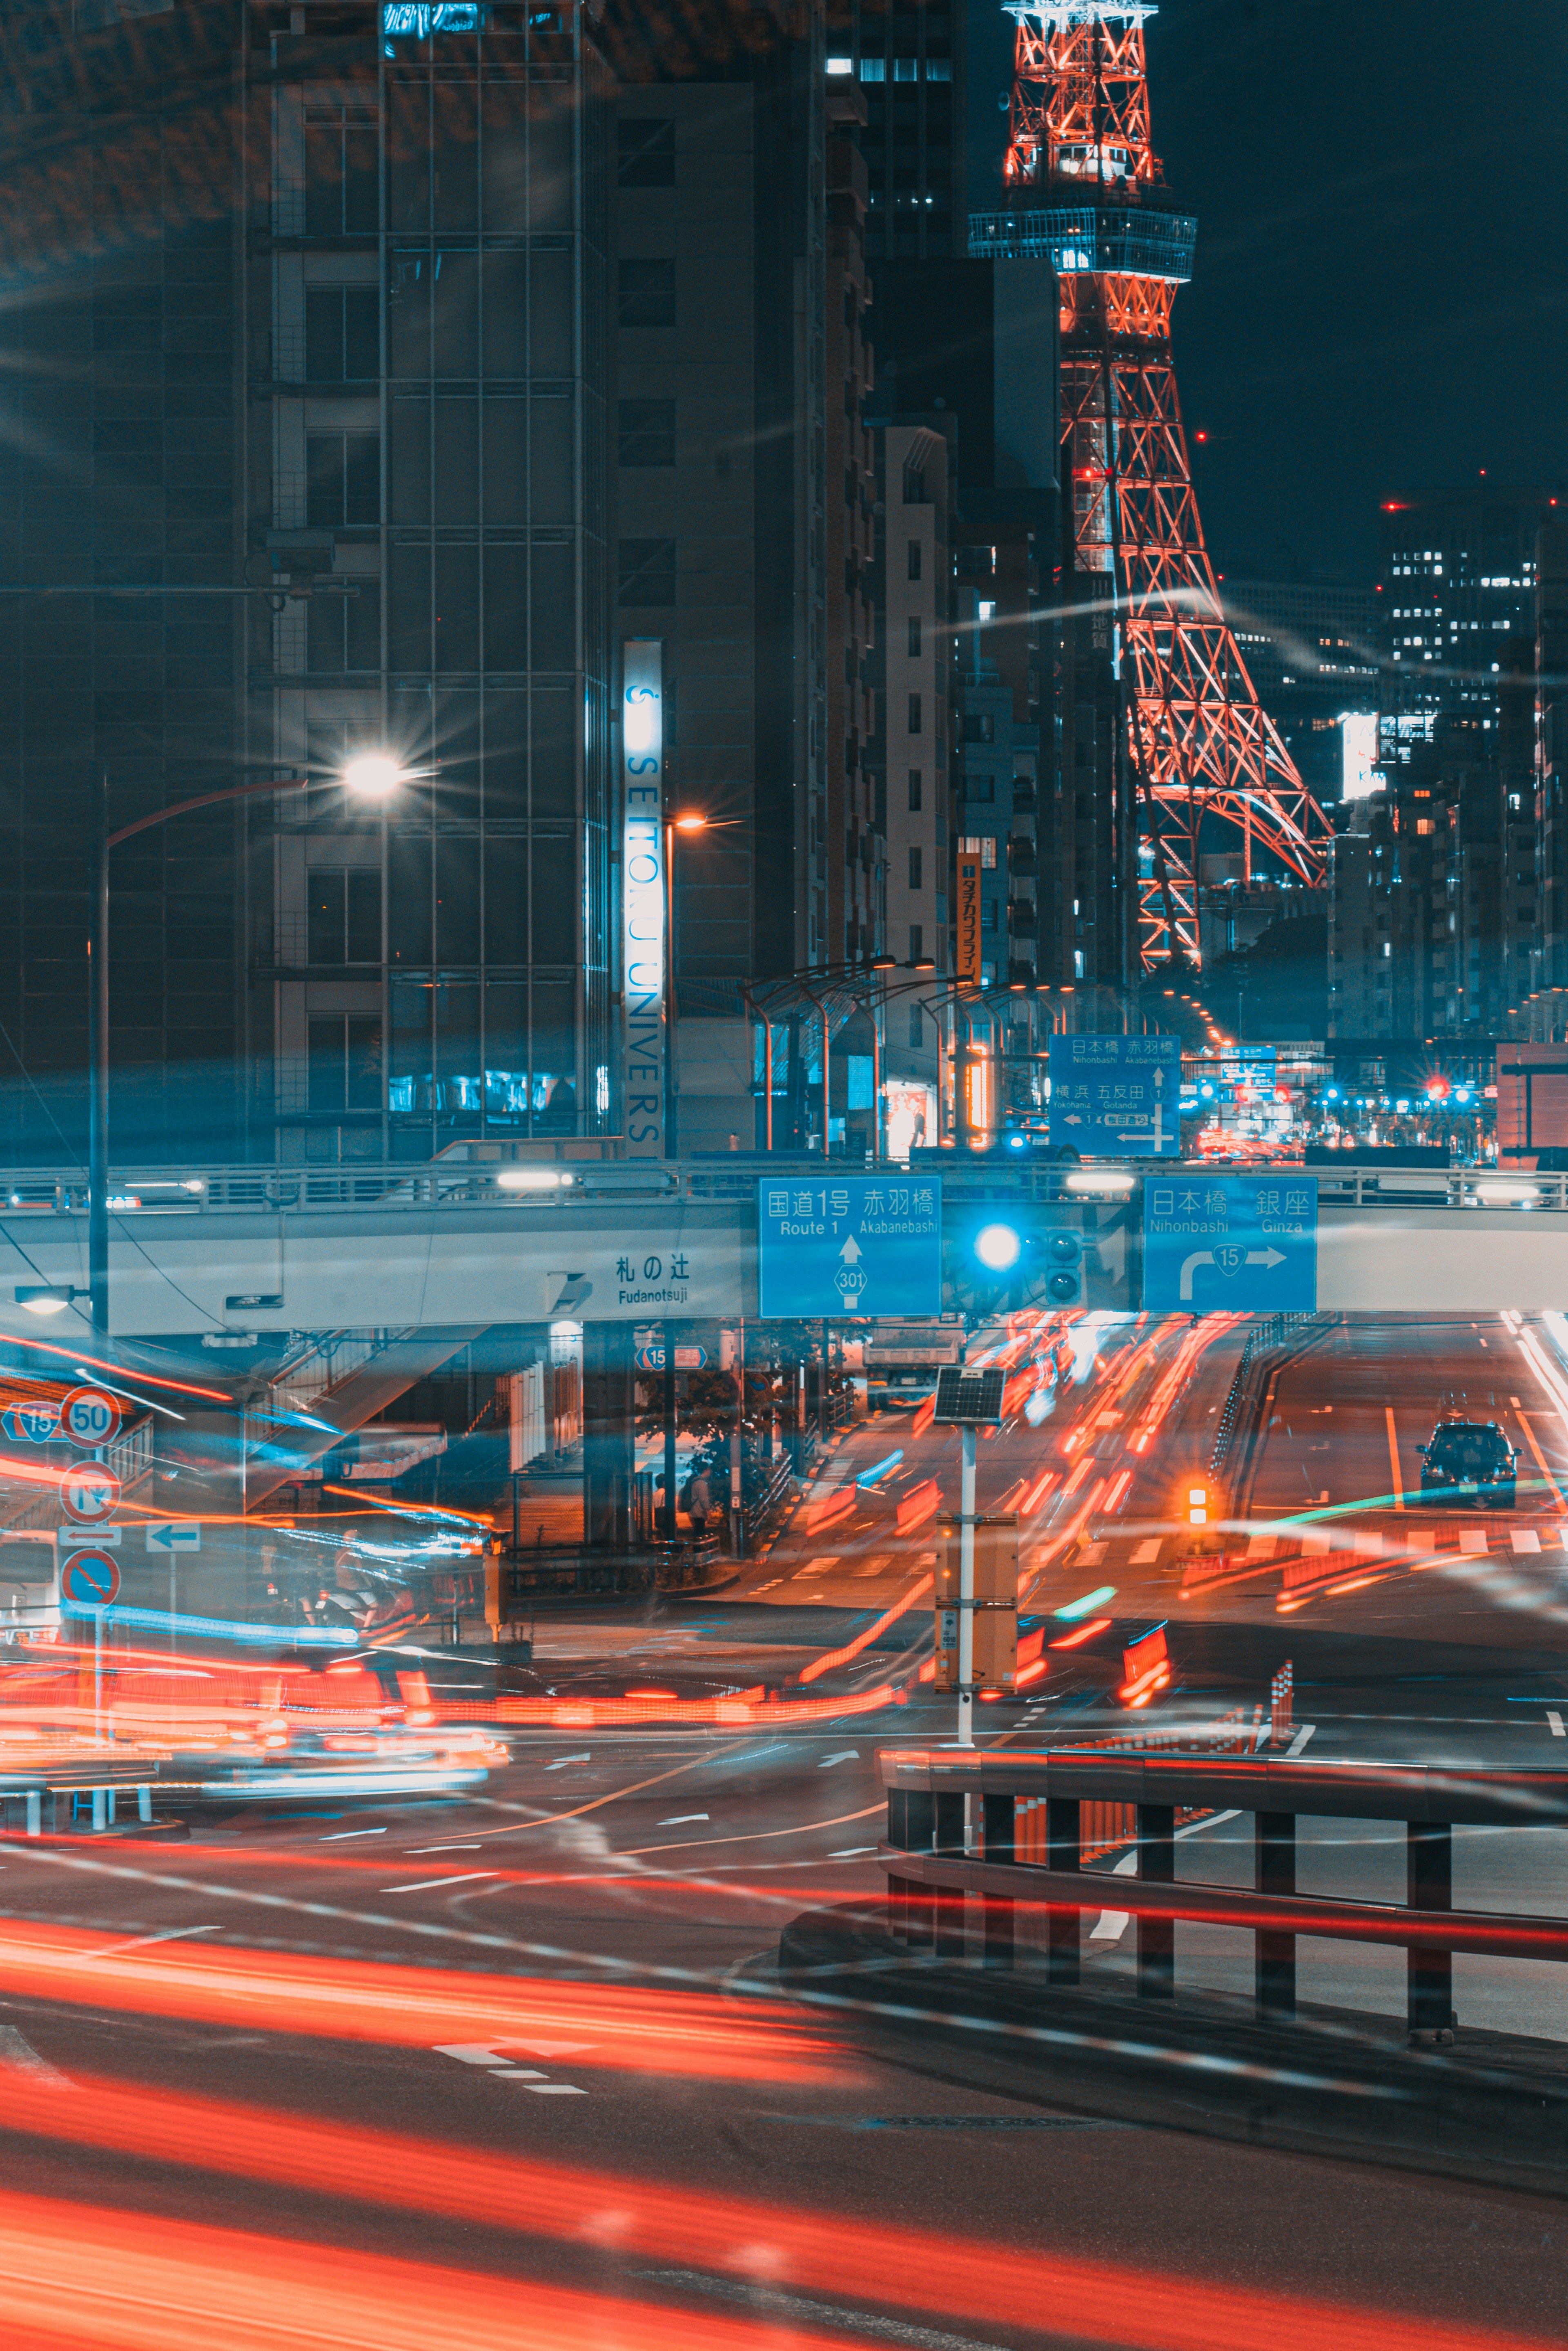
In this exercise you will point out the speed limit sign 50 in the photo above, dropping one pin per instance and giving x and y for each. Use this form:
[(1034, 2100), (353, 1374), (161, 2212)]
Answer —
[(89, 1494), (90, 1417)]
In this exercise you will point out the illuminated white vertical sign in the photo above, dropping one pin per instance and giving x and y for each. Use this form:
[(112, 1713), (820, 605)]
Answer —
[(643, 892)]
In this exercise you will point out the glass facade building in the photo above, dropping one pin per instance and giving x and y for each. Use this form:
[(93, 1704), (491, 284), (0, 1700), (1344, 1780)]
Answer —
[(426, 363)]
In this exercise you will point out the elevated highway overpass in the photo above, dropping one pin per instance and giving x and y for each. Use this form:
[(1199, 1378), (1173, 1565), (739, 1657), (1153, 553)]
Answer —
[(202, 1253)]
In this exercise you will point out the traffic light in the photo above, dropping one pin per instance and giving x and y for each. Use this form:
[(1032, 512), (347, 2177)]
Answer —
[(1198, 1506), (1063, 1249)]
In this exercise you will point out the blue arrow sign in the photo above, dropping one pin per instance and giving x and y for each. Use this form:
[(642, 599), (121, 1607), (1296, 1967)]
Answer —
[(1231, 1244), (1116, 1096), (842, 1245)]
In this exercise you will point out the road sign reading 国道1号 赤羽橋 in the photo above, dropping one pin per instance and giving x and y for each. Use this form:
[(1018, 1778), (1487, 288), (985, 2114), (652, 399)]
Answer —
[(1230, 1245), (849, 1245)]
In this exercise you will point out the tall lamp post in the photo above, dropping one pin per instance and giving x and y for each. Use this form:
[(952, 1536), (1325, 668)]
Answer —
[(373, 774), (690, 821)]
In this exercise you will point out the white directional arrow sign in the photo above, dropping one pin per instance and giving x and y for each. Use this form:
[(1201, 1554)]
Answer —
[(1226, 1260)]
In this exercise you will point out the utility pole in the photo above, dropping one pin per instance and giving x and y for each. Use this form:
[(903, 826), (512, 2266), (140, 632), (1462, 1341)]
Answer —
[(97, 1055)]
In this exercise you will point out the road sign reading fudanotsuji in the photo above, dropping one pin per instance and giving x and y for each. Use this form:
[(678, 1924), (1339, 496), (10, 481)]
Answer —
[(1115, 1096), (843, 1245), (1230, 1245)]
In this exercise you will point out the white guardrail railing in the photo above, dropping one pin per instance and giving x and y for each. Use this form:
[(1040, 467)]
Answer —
[(555, 1182)]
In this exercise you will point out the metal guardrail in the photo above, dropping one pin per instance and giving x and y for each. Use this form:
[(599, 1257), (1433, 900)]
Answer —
[(930, 1869), (194, 1190), (1263, 1337)]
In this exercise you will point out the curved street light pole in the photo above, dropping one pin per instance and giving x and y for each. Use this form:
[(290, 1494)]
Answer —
[(388, 773)]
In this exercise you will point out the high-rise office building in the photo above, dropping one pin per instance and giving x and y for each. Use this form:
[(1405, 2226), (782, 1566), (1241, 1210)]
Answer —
[(323, 305), (427, 233), (910, 61), (120, 466)]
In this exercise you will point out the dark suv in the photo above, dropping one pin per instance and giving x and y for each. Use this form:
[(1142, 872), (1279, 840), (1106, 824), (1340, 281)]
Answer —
[(1470, 1460)]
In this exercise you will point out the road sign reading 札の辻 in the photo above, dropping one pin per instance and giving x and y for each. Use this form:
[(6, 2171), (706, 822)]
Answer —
[(849, 1245), (1114, 1096), (1230, 1245)]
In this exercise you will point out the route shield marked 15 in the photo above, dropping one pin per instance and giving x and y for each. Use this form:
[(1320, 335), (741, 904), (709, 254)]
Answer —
[(1229, 1244), (30, 1423), (843, 1245)]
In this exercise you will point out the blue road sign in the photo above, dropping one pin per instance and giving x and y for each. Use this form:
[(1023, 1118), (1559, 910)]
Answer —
[(1116, 1096), (30, 1423), (1229, 1244), (89, 1579), (840, 1244)]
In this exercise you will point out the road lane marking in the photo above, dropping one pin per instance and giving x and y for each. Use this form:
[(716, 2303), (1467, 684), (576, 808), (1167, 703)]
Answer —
[(1555, 1720), (340, 1837), (1300, 1740), (1113, 1923), (1473, 1542), (817, 1566), (518, 2073), (1524, 1539), (425, 1885), (21, 2054), (680, 1820), (1394, 1457), (1147, 1554), (557, 2090), (1541, 1458), (561, 1761), (877, 1566), (844, 1755), (753, 1836), (412, 1849), (797, 2305), (141, 1942), (850, 1851)]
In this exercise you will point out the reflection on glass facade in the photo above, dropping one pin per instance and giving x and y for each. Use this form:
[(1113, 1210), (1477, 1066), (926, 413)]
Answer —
[(437, 422)]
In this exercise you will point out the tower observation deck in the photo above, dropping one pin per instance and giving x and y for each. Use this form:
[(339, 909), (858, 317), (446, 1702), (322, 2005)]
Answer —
[(1086, 192)]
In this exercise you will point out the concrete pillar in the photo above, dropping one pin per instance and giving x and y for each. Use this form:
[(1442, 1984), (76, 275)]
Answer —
[(609, 1423)]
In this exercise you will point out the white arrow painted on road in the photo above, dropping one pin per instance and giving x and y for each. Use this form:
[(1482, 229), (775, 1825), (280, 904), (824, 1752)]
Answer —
[(849, 1755), (1268, 1256)]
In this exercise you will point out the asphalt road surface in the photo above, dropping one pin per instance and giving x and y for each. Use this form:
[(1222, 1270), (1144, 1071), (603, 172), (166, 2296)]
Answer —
[(514, 2068)]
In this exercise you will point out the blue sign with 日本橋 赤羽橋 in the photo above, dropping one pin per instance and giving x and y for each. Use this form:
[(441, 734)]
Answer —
[(1229, 1244), (1115, 1096), (841, 1245)]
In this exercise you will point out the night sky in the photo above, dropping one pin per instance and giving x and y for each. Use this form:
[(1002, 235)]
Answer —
[(1380, 297)]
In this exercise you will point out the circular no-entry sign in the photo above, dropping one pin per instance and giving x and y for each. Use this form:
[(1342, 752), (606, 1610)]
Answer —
[(90, 1417), (90, 1579), (89, 1494)]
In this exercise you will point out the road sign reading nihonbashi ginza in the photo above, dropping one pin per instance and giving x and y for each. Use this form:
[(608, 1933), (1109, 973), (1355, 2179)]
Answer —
[(1231, 1244), (846, 1244)]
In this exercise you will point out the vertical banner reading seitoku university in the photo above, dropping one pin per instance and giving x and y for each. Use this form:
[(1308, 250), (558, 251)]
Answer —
[(643, 943)]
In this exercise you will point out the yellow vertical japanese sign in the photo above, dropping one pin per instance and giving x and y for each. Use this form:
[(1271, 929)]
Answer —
[(969, 948)]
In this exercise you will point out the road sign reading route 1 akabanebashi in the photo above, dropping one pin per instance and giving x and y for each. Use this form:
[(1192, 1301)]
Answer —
[(837, 1245), (1229, 1244)]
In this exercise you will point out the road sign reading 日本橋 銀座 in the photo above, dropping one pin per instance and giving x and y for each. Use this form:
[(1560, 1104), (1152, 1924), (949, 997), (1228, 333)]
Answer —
[(1229, 1244), (841, 1245)]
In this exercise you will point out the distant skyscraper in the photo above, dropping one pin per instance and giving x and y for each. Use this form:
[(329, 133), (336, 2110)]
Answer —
[(1455, 576), (910, 63)]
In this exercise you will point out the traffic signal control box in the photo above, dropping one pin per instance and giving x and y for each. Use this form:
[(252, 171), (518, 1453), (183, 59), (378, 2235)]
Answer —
[(995, 1604)]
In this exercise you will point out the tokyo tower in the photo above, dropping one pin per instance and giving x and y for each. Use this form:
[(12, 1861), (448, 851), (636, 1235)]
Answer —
[(1086, 192)]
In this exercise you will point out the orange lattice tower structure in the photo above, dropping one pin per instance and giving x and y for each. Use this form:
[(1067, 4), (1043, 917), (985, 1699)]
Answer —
[(1086, 192)]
